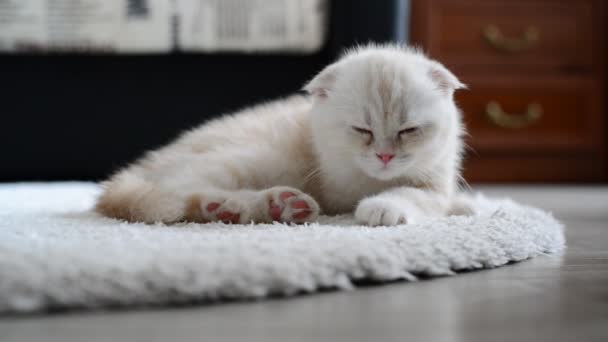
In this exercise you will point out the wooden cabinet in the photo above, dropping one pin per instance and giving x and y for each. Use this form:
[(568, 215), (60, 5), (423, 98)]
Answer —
[(535, 108)]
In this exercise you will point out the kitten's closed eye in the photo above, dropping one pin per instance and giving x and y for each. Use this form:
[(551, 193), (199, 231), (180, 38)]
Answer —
[(363, 131), (409, 130)]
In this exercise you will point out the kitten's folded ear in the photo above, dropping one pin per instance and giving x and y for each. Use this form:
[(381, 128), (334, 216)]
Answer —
[(322, 84), (444, 79)]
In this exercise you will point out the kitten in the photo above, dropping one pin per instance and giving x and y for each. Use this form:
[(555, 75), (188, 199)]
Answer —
[(379, 135)]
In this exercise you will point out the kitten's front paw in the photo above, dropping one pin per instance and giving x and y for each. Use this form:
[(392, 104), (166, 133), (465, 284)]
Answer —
[(381, 212)]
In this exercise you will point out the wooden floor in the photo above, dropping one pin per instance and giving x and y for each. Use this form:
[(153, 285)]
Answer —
[(552, 298)]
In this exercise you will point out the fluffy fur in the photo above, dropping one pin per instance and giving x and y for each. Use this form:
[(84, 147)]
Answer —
[(379, 135)]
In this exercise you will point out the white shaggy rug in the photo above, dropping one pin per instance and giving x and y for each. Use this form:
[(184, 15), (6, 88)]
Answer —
[(56, 254)]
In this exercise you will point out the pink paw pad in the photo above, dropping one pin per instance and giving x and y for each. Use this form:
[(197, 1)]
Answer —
[(285, 195), (228, 217), (300, 209), (274, 211), (212, 206), (224, 216)]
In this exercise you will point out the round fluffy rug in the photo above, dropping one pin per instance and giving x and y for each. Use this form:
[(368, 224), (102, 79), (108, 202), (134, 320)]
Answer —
[(56, 254)]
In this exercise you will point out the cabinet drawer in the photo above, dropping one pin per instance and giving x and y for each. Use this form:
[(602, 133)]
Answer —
[(546, 115), (503, 35), (544, 168)]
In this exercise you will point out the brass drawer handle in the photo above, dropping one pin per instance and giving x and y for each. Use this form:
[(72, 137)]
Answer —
[(494, 37), (505, 120)]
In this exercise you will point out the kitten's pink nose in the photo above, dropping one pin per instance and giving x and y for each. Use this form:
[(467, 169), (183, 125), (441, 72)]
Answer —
[(385, 157)]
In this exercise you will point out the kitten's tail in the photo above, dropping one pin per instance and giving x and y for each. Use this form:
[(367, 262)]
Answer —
[(128, 196)]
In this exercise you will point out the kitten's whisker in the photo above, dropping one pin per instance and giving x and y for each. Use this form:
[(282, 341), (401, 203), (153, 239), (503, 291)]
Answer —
[(312, 175)]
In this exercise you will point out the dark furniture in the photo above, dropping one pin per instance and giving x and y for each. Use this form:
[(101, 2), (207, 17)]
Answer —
[(536, 69), (82, 116)]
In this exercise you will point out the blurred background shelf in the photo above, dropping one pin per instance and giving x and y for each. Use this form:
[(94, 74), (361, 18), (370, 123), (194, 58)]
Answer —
[(73, 116)]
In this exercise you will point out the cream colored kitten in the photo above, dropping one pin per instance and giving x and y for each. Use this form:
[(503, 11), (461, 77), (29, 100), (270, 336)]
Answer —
[(379, 135)]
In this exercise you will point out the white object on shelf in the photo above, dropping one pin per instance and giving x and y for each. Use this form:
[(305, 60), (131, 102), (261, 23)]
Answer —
[(160, 25), (251, 25)]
